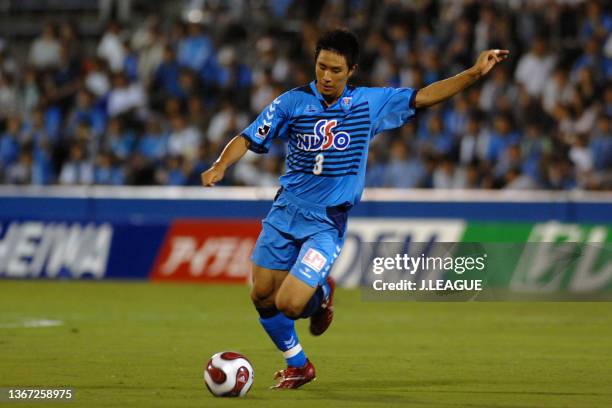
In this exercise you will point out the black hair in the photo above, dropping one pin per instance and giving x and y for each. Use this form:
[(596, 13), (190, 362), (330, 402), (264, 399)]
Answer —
[(342, 42)]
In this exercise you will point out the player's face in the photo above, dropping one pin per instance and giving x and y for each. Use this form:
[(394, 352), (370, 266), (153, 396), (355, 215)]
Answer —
[(332, 74)]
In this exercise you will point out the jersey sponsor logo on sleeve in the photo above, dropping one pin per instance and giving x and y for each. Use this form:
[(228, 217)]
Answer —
[(323, 137), (263, 131), (314, 259)]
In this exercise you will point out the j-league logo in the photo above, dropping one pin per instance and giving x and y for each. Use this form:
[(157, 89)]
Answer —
[(263, 131), (324, 138)]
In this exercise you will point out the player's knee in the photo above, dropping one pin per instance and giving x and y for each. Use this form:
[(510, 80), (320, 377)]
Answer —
[(289, 307), (262, 295)]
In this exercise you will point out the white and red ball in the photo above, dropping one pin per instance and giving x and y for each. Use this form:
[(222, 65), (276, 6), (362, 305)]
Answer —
[(228, 374)]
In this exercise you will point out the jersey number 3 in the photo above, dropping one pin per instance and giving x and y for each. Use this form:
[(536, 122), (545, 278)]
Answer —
[(318, 167)]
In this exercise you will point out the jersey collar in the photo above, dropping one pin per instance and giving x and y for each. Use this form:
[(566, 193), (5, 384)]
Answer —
[(344, 102)]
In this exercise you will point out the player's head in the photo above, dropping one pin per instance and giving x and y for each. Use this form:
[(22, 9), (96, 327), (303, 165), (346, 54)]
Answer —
[(336, 57)]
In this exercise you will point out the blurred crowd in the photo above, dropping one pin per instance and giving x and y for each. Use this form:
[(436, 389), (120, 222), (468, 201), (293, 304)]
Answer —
[(155, 99)]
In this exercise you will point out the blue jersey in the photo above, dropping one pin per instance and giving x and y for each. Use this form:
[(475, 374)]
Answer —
[(328, 145)]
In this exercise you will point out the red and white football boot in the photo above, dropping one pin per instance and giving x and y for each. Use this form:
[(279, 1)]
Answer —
[(321, 320), (295, 377)]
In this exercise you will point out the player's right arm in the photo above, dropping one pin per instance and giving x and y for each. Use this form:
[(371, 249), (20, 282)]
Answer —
[(232, 152), (257, 137)]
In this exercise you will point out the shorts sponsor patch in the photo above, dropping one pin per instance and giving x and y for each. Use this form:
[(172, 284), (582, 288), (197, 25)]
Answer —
[(314, 259)]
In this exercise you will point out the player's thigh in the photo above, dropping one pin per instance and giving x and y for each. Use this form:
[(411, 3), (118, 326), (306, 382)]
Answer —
[(293, 295), (274, 249), (311, 268), (266, 283), (274, 254)]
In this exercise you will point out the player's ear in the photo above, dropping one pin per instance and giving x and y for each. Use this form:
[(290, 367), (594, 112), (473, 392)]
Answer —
[(352, 70)]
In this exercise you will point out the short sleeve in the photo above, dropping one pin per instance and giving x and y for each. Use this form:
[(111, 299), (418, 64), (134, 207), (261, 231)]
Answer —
[(271, 123), (391, 107)]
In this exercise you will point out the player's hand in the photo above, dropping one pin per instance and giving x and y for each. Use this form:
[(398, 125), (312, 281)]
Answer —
[(213, 175), (487, 60)]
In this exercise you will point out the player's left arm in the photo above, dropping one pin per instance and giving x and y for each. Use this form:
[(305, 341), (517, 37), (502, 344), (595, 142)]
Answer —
[(442, 90)]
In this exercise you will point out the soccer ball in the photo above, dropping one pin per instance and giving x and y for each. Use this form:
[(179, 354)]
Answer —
[(228, 374)]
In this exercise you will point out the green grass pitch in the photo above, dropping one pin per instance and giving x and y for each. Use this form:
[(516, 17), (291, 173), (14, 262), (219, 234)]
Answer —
[(128, 344)]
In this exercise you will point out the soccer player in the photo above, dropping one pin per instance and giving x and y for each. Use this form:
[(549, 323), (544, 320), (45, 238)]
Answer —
[(328, 126)]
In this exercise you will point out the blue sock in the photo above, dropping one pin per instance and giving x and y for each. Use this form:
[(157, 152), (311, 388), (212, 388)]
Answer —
[(281, 330), (314, 303), (326, 289)]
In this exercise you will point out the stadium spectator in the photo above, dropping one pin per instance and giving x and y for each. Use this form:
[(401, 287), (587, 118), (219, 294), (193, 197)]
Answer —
[(404, 169), (166, 78), (85, 111), (42, 166), (224, 123), (154, 143), (496, 88), (126, 99), (535, 67), (516, 180), (20, 172), (501, 138), (601, 144), (107, 171), (111, 47), (377, 168), (557, 90), (10, 141), (119, 141), (8, 97), (448, 176), (78, 169), (474, 142), (28, 92), (34, 130), (184, 140), (97, 78), (45, 50), (195, 50), (149, 43)]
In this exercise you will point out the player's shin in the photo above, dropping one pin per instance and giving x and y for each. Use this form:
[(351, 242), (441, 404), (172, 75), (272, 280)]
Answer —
[(281, 330)]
